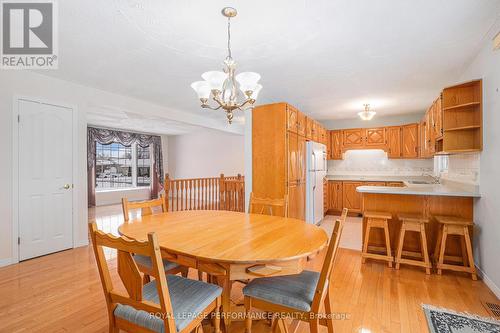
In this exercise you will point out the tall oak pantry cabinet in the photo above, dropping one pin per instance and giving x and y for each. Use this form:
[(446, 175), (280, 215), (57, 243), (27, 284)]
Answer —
[(279, 135)]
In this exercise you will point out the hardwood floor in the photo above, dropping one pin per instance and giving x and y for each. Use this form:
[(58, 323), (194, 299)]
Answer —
[(62, 293)]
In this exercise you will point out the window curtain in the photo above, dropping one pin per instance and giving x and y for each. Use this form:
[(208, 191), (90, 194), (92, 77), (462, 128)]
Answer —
[(107, 136)]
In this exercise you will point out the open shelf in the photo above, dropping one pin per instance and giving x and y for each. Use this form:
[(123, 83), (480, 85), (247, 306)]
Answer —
[(461, 106), (462, 128), (462, 118)]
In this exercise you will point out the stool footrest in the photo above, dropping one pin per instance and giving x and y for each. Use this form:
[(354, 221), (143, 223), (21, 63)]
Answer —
[(457, 268), (377, 256), (413, 262)]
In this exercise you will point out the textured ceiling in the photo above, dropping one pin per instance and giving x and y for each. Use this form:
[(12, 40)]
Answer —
[(326, 57)]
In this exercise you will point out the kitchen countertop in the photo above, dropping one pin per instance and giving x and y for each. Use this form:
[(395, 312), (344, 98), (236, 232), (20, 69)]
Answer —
[(377, 178), (448, 190)]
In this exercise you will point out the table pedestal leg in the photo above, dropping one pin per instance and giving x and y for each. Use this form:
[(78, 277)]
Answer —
[(226, 285)]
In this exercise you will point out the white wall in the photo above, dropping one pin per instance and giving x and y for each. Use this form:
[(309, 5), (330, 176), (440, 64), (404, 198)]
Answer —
[(205, 153), (31, 84), (487, 209), (112, 197)]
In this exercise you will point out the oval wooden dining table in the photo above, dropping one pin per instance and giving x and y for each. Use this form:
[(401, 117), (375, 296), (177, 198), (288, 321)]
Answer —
[(231, 245)]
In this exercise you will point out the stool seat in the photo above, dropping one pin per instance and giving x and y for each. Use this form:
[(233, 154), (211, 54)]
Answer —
[(453, 220), (378, 215), (415, 218)]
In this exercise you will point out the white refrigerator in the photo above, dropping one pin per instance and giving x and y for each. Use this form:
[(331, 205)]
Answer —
[(316, 172)]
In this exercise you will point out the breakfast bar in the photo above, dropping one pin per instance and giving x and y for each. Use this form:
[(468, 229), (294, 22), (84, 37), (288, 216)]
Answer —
[(428, 201)]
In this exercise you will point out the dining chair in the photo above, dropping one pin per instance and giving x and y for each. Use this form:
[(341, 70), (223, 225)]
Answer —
[(299, 295), (144, 262), (169, 304), (267, 206)]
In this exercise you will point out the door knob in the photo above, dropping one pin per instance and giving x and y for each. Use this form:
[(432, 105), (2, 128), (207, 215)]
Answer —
[(67, 186)]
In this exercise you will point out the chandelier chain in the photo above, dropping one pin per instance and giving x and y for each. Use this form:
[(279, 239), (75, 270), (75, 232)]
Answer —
[(229, 55)]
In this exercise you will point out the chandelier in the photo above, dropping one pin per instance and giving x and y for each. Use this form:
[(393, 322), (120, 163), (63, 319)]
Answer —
[(222, 86), (367, 114)]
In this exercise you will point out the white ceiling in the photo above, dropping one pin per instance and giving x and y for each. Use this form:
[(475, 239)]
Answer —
[(326, 57)]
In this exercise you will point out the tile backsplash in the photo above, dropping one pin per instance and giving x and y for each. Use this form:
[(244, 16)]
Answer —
[(462, 168), (376, 162)]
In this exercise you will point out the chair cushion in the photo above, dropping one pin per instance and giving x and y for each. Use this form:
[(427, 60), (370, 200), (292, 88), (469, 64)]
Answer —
[(189, 298), (293, 291), (146, 262)]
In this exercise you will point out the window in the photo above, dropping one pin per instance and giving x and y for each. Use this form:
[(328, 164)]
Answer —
[(119, 166), (143, 166)]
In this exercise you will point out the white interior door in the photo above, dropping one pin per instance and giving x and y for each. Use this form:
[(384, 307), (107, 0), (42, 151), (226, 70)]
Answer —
[(45, 178)]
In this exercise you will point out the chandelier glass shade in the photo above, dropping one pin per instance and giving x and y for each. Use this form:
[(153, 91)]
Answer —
[(367, 114), (229, 91)]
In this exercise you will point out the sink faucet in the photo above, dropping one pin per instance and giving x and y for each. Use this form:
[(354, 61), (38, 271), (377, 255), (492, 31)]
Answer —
[(435, 179)]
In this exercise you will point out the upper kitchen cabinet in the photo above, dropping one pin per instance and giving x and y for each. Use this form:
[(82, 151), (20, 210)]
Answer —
[(309, 128), (438, 118), (335, 143), (375, 138), (427, 135), (353, 138), (410, 140), (394, 141), (462, 118), (323, 135), (291, 122), (314, 129), (301, 124)]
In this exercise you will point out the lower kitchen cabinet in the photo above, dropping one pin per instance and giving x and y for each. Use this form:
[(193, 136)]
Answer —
[(352, 200), (395, 184), (335, 200)]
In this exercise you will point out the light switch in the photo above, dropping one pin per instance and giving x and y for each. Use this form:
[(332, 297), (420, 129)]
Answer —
[(496, 42)]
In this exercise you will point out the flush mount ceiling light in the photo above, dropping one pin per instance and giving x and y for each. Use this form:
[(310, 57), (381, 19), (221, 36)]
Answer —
[(222, 87), (367, 114)]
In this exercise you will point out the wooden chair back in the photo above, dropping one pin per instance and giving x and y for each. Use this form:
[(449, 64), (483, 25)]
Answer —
[(325, 278), (130, 275), (146, 206), (274, 207)]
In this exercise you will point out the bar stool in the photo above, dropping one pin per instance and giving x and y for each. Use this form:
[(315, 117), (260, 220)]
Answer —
[(377, 220), (416, 223), (452, 225)]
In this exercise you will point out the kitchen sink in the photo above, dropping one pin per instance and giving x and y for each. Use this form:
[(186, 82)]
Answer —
[(421, 182)]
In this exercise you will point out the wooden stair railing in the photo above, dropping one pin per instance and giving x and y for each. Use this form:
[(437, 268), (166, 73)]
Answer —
[(214, 193), (232, 191)]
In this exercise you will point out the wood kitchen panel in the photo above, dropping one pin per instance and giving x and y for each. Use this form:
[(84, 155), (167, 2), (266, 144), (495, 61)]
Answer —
[(336, 145), (394, 141), (335, 198), (297, 201), (301, 124), (353, 138), (375, 137), (351, 199), (293, 155), (279, 156), (410, 140), (301, 159), (427, 206), (309, 128), (269, 151), (291, 122)]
